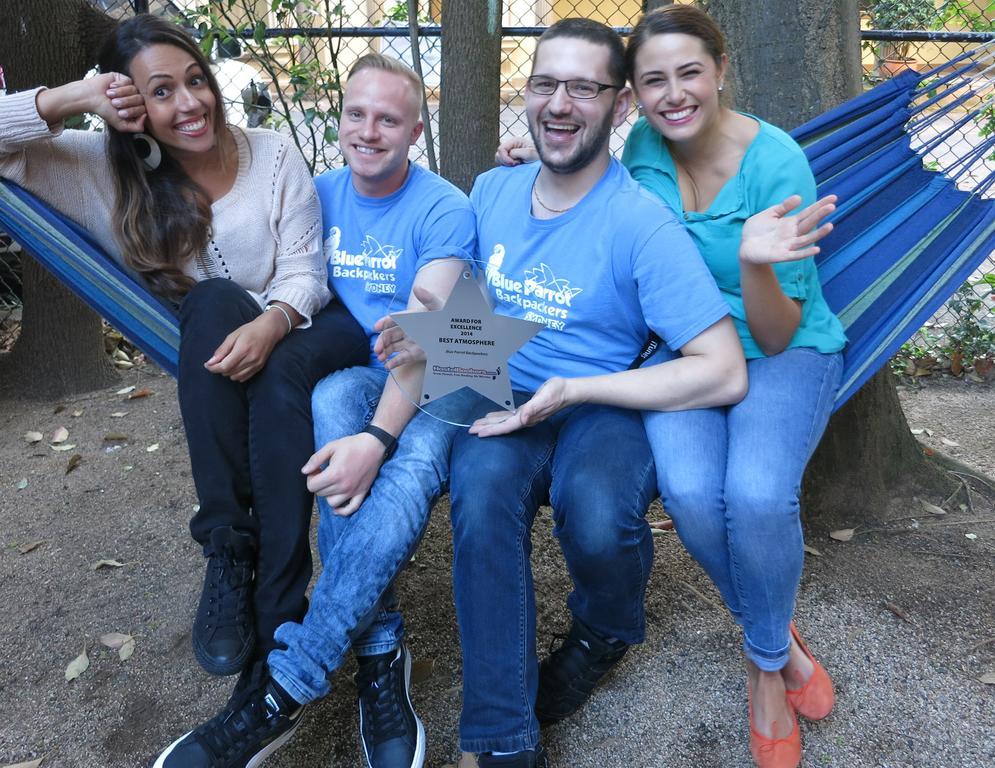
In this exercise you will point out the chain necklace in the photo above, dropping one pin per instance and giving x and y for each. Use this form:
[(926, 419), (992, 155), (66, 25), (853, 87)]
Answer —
[(535, 192)]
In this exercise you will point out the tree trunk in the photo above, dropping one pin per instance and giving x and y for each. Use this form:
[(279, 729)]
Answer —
[(60, 348), (470, 102), (792, 60), (652, 5)]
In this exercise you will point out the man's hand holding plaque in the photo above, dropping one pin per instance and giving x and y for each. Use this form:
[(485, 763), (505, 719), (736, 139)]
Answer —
[(464, 346)]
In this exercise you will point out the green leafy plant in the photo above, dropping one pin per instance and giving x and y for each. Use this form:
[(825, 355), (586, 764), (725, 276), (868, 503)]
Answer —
[(901, 14), (303, 70), (398, 12), (971, 336)]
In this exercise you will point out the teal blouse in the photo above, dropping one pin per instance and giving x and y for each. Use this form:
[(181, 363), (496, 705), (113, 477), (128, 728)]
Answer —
[(773, 168)]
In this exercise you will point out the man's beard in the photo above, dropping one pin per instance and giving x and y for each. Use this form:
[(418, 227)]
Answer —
[(586, 153)]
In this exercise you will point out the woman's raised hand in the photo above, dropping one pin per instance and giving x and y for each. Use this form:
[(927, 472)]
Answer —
[(773, 236), (112, 96), (117, 100), (514, 150)]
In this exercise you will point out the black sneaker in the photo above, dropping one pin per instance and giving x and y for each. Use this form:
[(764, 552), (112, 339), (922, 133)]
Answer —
[(530, 758), (570, 673), (223, 631), (391, 733), (258, 720)]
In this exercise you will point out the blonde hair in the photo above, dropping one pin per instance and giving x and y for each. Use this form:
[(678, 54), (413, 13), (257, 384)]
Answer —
[(395, 67)]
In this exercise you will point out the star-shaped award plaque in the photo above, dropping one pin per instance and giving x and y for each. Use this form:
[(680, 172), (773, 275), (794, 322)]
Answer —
[(466, 344)]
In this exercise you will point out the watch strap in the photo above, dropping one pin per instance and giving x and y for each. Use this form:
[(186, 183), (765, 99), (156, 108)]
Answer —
[(385, 437)]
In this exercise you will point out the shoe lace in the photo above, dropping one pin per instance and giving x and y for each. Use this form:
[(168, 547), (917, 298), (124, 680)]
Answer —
[(230, 581), (379, 695), (248, 716)]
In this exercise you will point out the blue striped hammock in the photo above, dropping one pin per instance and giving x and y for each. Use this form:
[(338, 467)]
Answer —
[(905, 237)]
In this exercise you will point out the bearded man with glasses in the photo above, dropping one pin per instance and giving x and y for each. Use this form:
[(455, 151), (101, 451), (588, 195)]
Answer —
[(574, 243)]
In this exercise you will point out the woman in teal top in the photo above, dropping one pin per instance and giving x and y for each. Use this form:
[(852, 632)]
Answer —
[(730, 477)]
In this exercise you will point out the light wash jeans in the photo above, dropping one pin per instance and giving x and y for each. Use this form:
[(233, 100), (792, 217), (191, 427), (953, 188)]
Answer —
[(352, 602), (595, 466), (730, 478)]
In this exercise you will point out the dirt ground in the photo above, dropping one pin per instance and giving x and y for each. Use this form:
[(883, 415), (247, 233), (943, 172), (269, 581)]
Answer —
[(902, 615)]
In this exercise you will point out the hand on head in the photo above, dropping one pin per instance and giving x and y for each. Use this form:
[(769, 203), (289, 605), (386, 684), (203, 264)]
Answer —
[(117, 100)]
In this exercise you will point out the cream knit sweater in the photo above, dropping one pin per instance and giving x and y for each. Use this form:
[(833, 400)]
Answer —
[(266, 229)]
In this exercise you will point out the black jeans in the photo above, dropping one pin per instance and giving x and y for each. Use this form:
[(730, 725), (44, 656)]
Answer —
[(248, 441)]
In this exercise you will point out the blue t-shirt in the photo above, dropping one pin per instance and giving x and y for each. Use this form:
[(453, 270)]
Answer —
[(375, 245), (599, 277), (773, 168)]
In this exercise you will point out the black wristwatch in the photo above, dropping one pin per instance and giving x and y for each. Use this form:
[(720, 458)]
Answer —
[(385, 437)]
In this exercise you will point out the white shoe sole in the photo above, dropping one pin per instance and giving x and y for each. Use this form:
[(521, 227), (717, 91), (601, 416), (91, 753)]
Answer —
[(257, 759)]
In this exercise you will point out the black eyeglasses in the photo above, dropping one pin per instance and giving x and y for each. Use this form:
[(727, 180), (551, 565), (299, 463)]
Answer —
[(576, 89)]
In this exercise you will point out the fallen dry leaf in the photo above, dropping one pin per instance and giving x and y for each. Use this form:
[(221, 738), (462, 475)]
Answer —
[(77, 666), (30, 546), (33, 437), (140, 393), (22, 483), (59, 408), (74, 461), (932, 508), (114, 640), (662, 525), (971, 536), (421, 670), (60, 435), (119, 414), (957, 363), (843, 534), (106, 564), (63, 447), (76, 414), (898, 612), (127, 650), (916, 430), (988, 678), (812, 551), (125, 391), (115, 437), (28, 764), (153, 447), (948, 441)]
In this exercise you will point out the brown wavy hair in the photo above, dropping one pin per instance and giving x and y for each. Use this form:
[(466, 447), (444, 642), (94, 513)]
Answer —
[(674, 19), (162, 217)]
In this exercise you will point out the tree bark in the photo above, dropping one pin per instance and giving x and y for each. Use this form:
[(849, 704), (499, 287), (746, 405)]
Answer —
[(60, 348), (792, 60), (470, 101)]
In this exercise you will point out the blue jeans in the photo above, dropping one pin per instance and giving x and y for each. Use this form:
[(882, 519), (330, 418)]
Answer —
[(362, 554), (594, 465), (730, 479)]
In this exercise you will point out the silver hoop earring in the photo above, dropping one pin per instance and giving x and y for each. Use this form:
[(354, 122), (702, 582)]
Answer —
[(148, 151), (720, 88)]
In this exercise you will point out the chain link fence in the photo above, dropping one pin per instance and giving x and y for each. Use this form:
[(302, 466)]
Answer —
[(282, 63)]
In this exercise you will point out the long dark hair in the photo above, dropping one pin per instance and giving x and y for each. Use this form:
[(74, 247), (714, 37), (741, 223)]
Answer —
[(162, 217)]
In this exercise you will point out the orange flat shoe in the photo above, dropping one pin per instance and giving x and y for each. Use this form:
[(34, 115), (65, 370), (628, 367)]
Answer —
[(775, 753), (815, 699)]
